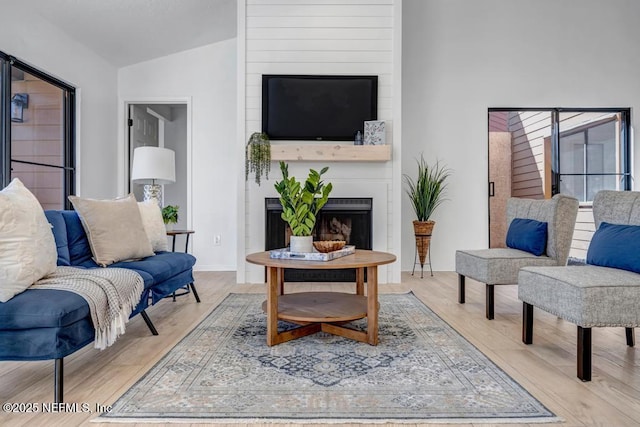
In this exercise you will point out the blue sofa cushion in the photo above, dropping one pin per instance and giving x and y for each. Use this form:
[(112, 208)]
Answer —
[(164, 265), (59, 229), (149, 280), (158, 267), (45, 343), (528, 235), (168, 287), (615, 246), (47, 308), (79, 249)]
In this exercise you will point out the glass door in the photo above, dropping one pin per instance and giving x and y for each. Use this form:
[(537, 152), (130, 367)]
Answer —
[(37, 138), (519, 149)]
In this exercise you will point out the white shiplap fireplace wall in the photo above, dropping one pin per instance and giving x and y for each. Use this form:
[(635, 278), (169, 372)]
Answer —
[(322, 37)]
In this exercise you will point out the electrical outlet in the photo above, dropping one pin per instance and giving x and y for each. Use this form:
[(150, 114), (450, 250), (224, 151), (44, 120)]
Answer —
[(216, 240)]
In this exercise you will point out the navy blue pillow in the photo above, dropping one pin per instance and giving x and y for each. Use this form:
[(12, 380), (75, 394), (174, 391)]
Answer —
[(616, 246), (528, 235), (79, 249), (59, 228)]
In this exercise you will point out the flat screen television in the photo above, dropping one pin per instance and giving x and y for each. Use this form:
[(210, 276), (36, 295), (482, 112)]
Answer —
[(309, 107)]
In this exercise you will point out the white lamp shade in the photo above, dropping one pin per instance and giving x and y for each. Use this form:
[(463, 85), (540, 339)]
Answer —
[(153, 165)]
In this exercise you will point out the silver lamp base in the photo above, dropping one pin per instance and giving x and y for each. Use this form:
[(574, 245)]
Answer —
[(153, 192)]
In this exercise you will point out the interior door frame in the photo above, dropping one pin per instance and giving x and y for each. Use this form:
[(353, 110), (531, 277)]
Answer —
[(123, 146)]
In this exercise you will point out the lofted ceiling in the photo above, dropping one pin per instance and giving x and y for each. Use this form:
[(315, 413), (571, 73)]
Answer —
[(126, 32)]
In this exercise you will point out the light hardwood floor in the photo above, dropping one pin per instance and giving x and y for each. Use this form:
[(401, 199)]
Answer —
[(546, 369)]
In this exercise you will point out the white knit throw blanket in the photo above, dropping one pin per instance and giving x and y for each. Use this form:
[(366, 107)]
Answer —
[(112, 294)]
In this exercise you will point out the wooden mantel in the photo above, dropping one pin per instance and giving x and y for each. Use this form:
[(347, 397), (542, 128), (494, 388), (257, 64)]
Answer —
[(331, 152)]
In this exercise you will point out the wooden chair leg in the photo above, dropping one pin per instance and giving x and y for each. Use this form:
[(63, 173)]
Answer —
[(527, 323), (584, 353), (631, 338), (490, 301), (460, 288)]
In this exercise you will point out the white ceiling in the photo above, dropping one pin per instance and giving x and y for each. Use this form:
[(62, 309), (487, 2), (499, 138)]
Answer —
[(126, 32)]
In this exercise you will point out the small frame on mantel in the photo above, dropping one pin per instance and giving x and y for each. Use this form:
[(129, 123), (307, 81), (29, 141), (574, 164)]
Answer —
[(374, 132)]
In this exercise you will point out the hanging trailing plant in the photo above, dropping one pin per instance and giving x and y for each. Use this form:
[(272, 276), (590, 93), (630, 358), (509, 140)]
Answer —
[(257, 156)]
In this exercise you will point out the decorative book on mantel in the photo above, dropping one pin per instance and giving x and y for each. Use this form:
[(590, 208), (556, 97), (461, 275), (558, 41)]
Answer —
[(374, 132)]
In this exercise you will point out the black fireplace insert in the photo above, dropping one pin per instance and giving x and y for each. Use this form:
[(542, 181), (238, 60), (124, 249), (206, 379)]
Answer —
[(348, 219)]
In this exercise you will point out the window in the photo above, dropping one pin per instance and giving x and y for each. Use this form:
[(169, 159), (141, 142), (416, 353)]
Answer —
[(592, 154), (37, 124)]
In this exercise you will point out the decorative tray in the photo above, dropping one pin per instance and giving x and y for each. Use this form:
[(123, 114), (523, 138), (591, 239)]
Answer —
[(312, 256)]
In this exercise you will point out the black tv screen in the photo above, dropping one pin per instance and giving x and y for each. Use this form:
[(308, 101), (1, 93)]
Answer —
[(317, 108)]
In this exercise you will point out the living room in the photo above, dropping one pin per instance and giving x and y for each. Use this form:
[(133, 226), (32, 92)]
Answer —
[(442, 64)]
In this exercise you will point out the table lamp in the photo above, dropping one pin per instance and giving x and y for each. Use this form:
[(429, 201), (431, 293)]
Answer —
[(153, 167)]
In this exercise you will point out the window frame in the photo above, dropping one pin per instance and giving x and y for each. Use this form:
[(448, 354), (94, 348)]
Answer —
[(620, 116), (7, 63)]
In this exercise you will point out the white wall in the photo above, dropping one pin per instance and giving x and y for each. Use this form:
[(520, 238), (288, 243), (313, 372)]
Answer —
[(28, 37), (319, 37), (461, 57), (207, 77)]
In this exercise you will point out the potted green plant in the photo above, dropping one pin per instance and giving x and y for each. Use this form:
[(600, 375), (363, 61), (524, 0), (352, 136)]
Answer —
[(257, 157), (300, 204), (170, 216), (426, 193)]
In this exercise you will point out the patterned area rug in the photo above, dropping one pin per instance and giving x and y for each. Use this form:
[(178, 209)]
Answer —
[(422, 371)]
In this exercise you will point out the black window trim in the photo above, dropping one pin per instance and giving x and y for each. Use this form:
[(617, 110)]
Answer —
[(69, 166)]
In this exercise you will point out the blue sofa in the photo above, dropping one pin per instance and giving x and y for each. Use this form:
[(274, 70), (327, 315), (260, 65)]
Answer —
[(40, 324)]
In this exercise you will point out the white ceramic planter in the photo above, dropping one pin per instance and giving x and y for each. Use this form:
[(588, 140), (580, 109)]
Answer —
[(302, 244)]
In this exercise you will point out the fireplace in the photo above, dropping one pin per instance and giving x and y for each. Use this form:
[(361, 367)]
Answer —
[(346, 219)]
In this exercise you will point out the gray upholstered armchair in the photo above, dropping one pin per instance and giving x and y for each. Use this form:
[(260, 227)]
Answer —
[(603, 293), (500, 266)]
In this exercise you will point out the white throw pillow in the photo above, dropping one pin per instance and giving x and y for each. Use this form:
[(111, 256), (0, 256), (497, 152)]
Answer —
[(114, 229), (154, 225), (27, 247)]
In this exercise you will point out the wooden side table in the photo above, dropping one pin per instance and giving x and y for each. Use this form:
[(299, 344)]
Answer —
[(190, 287), (174, 233)]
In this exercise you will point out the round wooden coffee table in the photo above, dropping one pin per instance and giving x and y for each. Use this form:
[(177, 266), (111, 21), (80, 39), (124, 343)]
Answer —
[(323, 311)]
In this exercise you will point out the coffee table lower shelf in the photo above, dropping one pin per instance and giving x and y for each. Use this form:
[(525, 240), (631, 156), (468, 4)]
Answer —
[(321, 311)]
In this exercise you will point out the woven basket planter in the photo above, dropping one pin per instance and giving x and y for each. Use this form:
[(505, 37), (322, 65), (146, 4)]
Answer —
[(422, 231)]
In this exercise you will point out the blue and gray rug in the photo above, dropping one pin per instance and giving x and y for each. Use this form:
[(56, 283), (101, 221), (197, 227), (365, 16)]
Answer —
[(422, 371)]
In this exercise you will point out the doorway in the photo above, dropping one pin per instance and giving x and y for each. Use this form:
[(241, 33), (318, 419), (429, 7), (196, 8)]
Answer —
[(163, 125)]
